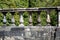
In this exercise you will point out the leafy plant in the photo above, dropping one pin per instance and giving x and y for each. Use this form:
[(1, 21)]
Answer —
[(17, 18), (28, 3), (26, 18), (53, 16), (8, 18), (56, 3), (22, 3), (34, 18), (43, 18), (1, 19)]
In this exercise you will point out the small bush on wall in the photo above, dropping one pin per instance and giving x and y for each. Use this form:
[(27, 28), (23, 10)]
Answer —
[(17, 18), (34, 18), (53, 16), (26, 18), (43, 16), (1, 19), (8, 18)]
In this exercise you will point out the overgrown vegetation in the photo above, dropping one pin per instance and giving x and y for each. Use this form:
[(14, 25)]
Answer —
[(44, 3), (1, 19), (53, 16), (37, 3), (34, 18), (14, 3), (8, 18), (17, 18), (26, 18), (43, 17), (28, 3)]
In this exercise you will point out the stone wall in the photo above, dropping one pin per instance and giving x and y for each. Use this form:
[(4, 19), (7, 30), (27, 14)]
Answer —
[(27, 33)]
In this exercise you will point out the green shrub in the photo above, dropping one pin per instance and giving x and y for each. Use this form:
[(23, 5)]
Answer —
[(56, 3), (48, 3), (8, 18), (17, 18), (40, 3), (44, 3), (22, 3), (34, 18), (7, 4), (32, 3), (14, 3), (26, 18), (28, 3), (1, 19), (53, 16), (43, 18), (35, 3)]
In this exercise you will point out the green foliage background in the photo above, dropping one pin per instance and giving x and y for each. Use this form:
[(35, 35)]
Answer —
[(17, 18), (28, 3), (34, 18), (53, 17), (26, 18), (8, 18), (43, 16), (1, 19)]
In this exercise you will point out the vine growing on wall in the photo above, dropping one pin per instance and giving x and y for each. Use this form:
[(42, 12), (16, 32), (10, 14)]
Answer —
[(8, 18), (17, 18), (1, 18)]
